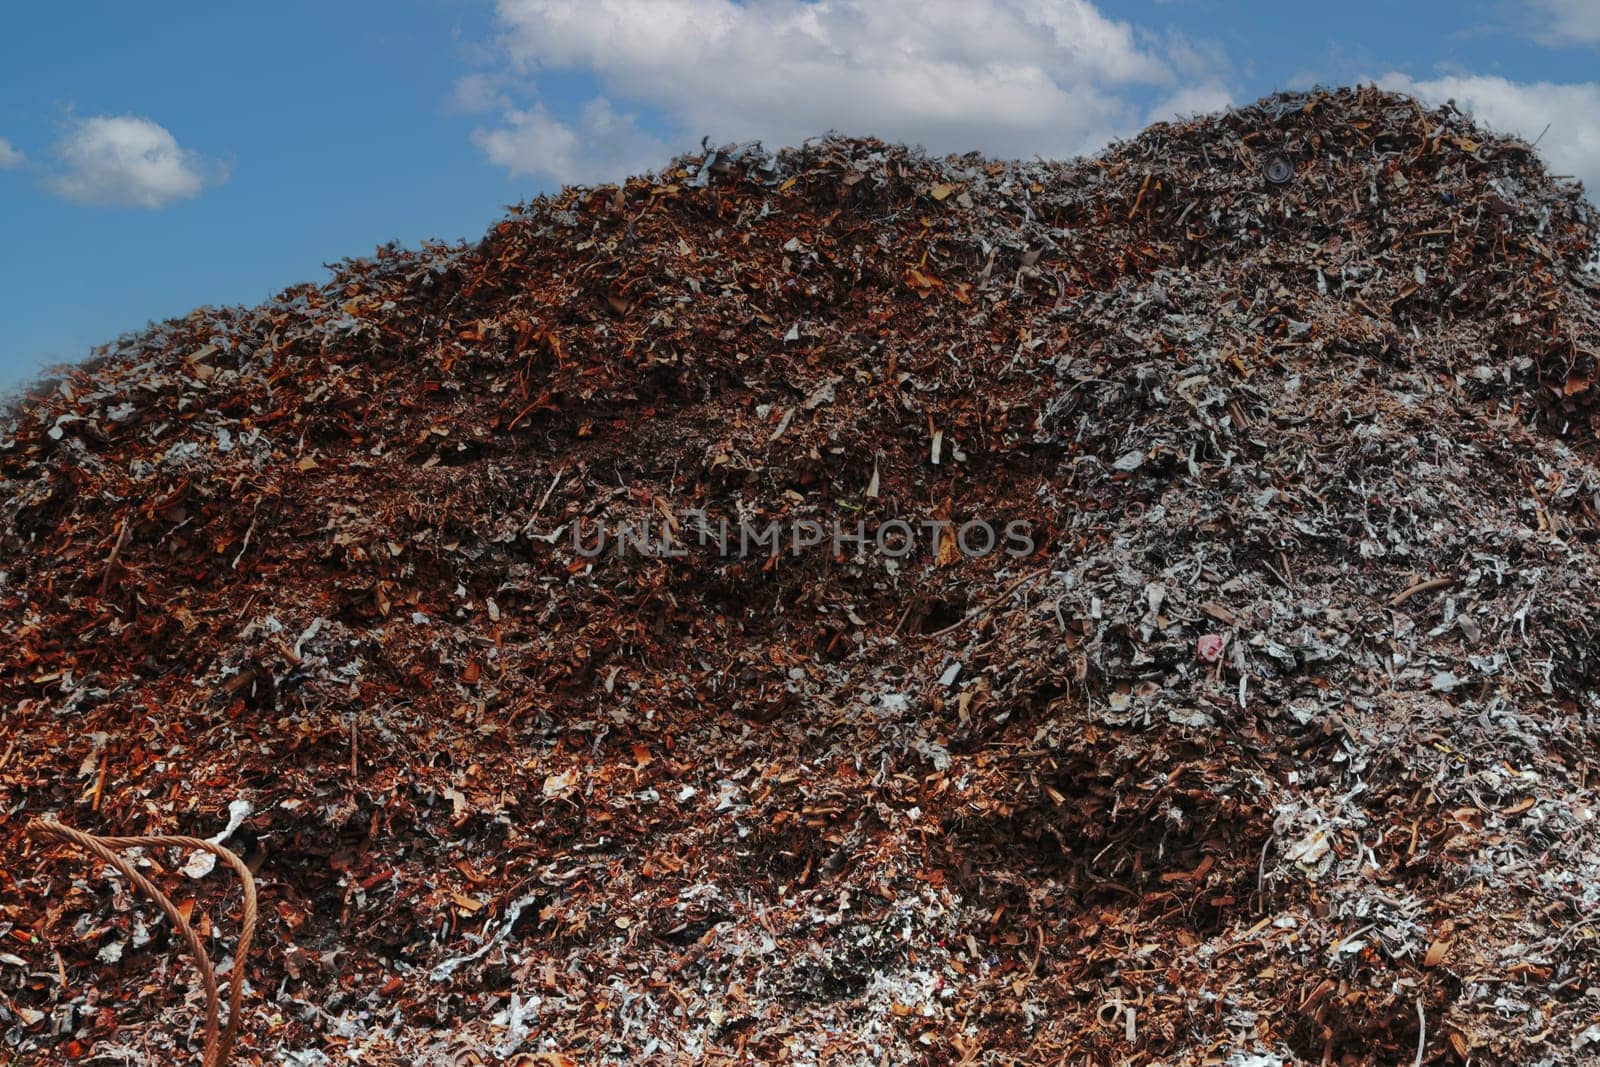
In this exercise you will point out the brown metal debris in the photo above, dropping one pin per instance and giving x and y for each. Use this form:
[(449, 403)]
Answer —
[(1274, 750)]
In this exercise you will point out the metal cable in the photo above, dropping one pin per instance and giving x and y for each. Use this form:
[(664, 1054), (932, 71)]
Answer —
[(217, 1049)]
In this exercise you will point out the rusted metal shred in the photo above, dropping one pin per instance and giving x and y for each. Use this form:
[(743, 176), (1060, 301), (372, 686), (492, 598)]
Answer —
[(1275, 749)]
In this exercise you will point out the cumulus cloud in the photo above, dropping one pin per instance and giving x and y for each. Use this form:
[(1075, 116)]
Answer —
[(1563, 22), (476, 93), (127, 160), (1191, 100), (602, 143), (1567, 115), (1012, 77), (9, 157)]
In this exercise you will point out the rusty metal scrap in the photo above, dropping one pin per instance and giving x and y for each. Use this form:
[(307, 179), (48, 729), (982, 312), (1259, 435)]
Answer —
[(1274, 748)]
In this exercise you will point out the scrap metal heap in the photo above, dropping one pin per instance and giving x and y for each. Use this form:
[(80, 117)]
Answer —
[(1275, 748)]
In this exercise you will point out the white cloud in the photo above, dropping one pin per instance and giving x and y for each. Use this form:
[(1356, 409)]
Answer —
[(9, 157), (123, 159), (1009, 77), (477, 93), (1564, 22), (1570, 145), (602, 144), (1191, 100)]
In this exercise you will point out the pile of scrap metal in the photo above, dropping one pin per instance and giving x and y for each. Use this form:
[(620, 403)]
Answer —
[(1267, 743)]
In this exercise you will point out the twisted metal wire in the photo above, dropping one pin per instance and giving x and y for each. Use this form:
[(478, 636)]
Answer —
[(217, 1048)]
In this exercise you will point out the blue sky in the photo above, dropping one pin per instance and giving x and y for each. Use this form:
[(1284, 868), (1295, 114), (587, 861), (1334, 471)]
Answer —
[(154, 158)]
